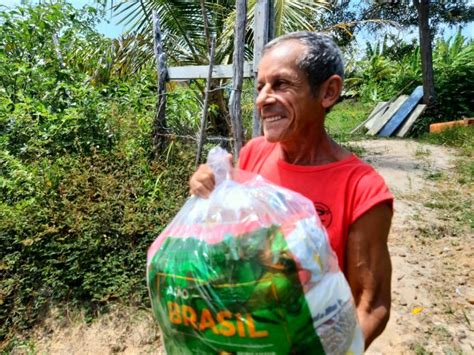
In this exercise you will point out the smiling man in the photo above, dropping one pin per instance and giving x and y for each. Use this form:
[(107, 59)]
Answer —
[(300, 78)]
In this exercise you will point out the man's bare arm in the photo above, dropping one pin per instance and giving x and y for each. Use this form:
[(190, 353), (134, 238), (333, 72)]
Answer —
[(369, 270)]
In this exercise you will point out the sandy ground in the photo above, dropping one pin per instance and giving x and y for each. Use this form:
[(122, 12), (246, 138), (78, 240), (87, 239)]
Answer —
[(432, 257), (432, 283)]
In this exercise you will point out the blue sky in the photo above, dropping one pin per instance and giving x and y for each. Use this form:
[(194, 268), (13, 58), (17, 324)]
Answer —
[(111, 29)]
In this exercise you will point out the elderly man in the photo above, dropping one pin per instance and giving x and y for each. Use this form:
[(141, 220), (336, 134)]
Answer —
[(300, 78)]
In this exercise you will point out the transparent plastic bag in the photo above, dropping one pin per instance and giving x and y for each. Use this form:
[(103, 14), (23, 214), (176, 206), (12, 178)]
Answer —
[(249, 271)]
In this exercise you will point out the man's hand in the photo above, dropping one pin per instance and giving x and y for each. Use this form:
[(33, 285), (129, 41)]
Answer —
[(202, 182), (369, 269)]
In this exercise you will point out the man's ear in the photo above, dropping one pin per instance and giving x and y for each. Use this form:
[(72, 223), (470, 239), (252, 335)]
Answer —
[(330, 91)]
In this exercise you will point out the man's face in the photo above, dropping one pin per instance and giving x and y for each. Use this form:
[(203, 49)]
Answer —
[(288, 109)]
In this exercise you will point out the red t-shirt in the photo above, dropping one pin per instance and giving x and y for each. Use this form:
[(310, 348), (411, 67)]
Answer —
[(341, 191)]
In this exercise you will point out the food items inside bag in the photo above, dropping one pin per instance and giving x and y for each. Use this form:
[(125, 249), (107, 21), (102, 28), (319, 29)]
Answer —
[(249, 271)]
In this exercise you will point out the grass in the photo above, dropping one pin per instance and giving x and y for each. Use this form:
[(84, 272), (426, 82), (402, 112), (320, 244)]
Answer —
[(461, 138), (344, 117), (419, 349), (71, 328), (458, 137), (465, 169), (455, 205), (434, 175), (454, 201), (422, 152), (20, 346)]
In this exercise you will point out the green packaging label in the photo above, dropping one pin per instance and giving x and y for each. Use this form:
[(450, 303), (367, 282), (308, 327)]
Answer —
[(240, 296)]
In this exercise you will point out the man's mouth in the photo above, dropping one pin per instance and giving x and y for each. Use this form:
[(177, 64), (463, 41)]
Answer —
[(273, 118)]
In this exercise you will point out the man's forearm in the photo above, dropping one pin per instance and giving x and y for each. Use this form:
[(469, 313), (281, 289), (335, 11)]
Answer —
[(372, 322)]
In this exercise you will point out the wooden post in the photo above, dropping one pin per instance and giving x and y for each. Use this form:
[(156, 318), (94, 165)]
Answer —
[(202, 132), (263, 32), (159, 124), (235, 109)]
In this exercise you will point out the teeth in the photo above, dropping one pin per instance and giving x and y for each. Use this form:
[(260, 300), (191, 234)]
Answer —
[(273, 118)]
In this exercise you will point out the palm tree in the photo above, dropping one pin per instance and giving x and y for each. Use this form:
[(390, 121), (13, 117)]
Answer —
[(187, 26)]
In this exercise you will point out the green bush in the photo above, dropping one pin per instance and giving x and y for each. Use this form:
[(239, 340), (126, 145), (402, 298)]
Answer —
[(77, 229), (49, 107), (453, 61), (184, 109), (81, 201)]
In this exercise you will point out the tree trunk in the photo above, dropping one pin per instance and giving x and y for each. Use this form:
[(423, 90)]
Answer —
[(238, 76), (219, 116), (422, 6), (202, 130), (159, 122)]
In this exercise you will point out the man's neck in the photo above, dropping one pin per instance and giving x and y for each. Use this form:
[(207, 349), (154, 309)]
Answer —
[(318, 149)]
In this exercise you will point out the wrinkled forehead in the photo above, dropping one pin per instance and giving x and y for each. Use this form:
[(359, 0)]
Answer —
[(284, 54), (290, 48)]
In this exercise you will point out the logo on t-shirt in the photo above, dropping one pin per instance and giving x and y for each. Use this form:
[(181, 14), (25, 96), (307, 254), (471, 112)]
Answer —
[(324, 213)]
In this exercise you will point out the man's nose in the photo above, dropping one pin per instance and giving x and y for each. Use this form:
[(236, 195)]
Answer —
[(264, 97)]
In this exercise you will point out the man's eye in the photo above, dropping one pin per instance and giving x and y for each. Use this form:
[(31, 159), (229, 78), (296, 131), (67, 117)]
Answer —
[(279, 84)]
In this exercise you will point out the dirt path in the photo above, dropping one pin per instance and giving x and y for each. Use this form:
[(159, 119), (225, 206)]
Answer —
[(432, 256), (431, 252)]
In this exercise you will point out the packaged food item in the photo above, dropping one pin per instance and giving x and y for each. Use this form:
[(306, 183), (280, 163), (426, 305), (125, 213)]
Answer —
[(249, 271)]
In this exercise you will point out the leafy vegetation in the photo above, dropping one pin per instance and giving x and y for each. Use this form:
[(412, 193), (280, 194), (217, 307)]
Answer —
[(81, 199), (392, 66)]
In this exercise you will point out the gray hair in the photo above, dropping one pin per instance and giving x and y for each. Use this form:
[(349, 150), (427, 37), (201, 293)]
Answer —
[(321, 59)]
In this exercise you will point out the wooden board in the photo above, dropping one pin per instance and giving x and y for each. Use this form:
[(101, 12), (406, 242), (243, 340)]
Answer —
[(261, 34), (382, 120), (201, 71), (405, 128), (402, 113), (378, 111)]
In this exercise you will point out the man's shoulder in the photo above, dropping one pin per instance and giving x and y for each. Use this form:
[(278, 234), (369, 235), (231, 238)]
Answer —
[(356, 163), (368, 186), (357, 174)]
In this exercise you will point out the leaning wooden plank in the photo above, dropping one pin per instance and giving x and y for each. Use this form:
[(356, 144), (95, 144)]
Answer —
[(405, 128), (379, 110), (201, 71), (382, 120), (402, 113), (375, 112)]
